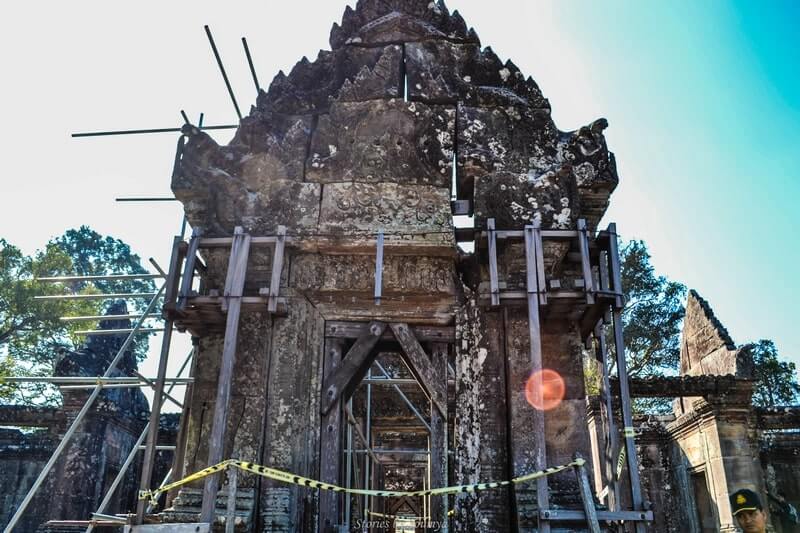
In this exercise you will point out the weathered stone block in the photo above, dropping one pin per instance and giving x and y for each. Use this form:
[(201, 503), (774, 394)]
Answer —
[(401, 275), (367, 207), (443, 71), (383, 141), (515, 200), (256, 182), (350, 73), (378, 22), (481, 431)]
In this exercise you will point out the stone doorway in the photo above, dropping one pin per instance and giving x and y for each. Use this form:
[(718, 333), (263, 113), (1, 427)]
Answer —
[(392, 432)]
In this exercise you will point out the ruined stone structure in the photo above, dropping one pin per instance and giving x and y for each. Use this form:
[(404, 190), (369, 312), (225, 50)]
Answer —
[(361, 157), (96, 452), (344, 333), (716, 442)]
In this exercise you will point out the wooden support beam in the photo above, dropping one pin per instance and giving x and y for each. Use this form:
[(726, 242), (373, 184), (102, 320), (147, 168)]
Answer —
[(586, 267), (179, 458), (171, 284), (234, 286), (535, 337), (622, 372), (538, 244), (277, 267), (346, 377), (353, 330), (612, 438), (461, 207), (438, 439), (379, 269), (188, 269), (330, 443), (587, 499), (148, 461), (570, 515), (433, 384), (616, 272), (627, 419), (493, 279), (230, 515)]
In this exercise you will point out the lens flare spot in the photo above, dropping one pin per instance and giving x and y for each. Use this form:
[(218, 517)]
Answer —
[(545, 389)]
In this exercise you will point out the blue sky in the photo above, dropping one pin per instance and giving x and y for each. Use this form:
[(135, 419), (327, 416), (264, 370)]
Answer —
[(703, 101)]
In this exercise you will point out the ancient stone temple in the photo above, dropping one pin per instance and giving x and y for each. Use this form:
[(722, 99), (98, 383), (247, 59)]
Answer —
[(325, 229), (95, 455)]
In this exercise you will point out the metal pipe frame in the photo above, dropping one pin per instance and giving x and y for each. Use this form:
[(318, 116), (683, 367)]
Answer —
[(348, 469), (155, 130), (109, 277), (96, 296), (404, 397), (379, 451), (91, 380), (173, 274), (250, 63), (368, 443), (92, 318), (111, 332), (133, 452), (78, 419), (222, 71)]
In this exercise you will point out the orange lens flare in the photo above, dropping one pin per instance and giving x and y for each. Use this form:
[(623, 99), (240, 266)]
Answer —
[(545, 389)]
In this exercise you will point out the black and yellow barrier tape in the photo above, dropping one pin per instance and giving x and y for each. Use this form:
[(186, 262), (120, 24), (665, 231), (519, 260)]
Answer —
[(621, 461), (279, 475)]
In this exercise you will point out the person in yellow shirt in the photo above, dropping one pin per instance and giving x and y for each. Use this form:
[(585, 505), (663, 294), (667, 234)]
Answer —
[(748, 511)]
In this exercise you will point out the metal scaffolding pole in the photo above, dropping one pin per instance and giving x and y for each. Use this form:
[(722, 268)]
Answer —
[(155, 408), (78, 419), (109, 277), (134, 450), (368, 436)]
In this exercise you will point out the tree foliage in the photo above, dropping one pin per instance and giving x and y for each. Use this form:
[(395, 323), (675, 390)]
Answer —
[(776, 380), (32, 334), (652, 316)]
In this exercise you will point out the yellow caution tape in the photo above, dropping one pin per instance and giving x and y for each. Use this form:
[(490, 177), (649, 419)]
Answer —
[(620, 461), (629, 432), (279, 475), (381, 515)]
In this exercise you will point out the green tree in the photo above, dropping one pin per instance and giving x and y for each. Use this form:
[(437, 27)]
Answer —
[(775, 380), (652, 316), (93, 254), (32, 334)]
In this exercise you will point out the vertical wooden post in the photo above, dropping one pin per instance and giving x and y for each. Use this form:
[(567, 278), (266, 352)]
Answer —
[(330, 443), (535, 336), (438, 457), (586, 498), (494, 283), (622, 371), (612, 441), (179, 462), (230, 516), (368, 445), (379, 269), (188, 269), (277, 267), (538, 247), (155, 410), (237, 271), (588, 278)]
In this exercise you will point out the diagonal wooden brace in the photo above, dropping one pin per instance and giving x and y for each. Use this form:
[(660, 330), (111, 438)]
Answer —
[(434, 384), (355, 364)]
